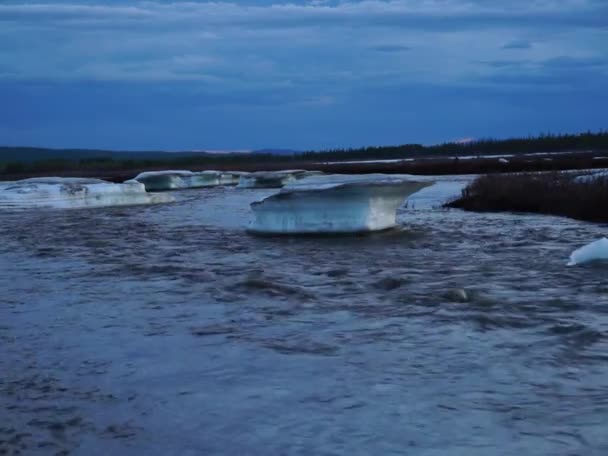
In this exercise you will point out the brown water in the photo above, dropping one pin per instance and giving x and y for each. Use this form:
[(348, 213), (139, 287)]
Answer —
[(169, 330)]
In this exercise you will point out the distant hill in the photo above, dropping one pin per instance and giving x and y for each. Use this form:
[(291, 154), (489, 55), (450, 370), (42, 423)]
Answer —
[(541, 144), (31, 154)]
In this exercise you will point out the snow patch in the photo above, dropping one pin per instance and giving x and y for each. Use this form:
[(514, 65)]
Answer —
[(594, 251), (67, 193)]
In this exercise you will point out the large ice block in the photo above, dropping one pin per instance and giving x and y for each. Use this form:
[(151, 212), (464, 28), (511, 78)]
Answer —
[(231, 177), (58, 192), (333, 204), (269, 179)]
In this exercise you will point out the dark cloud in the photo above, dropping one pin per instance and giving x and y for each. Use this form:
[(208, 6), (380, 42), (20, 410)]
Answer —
[(295, 73), (568, 62), (391, 48), (518, 44), (449, 15)]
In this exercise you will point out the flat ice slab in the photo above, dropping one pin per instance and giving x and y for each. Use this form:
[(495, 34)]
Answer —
[(178, 179), (64, 193), (594, 251), (333, 204), (271, 179), (231, 177)]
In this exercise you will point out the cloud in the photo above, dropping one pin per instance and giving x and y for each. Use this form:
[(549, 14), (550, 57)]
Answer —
[(454, 14), (518, 44), (568, 62), (269, 43), (390, 48), (280, 58)]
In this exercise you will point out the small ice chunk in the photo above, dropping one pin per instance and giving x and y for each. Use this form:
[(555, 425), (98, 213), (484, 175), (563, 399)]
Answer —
[(503, 160), (67, 193), (333, 204), (597, 250)]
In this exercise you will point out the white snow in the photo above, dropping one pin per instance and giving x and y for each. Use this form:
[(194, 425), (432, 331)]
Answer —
[(65, 193), (178, 179), (461, 157), (270, 179), (333, 204), (597, 250)]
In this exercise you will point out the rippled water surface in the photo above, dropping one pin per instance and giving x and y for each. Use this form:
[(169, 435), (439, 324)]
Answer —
[(169, 330)]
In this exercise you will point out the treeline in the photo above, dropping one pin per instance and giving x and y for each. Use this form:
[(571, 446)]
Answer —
[(118, 164), (538, 144), (14, 161)]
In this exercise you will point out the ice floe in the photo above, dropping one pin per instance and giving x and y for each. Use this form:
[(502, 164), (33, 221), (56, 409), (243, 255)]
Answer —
[(597, 250), (178, 179), (271, 179), (333, 204), (58, 192), (231, 177)]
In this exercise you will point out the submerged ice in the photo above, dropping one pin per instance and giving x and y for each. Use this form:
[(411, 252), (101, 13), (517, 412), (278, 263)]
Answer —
[(58, 192), (333, 204)]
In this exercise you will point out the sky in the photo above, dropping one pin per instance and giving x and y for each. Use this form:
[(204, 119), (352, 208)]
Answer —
[(193, 75)]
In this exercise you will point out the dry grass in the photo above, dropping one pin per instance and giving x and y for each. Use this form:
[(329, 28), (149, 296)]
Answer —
[(545, 193)]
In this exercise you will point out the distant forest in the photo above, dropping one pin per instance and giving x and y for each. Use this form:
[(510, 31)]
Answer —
[(538, 144), (14, 160)]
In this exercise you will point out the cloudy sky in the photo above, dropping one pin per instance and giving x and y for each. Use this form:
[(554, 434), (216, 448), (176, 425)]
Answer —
[(298, 74)]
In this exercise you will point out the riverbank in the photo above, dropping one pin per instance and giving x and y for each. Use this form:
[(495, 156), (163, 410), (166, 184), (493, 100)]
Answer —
[(560, 194), (119, 172)]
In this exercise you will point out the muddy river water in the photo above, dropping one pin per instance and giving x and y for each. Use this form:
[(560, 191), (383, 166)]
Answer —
[(168, 330)]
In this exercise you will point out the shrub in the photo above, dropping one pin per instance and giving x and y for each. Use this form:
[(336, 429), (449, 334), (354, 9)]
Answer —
[(544, 193)]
